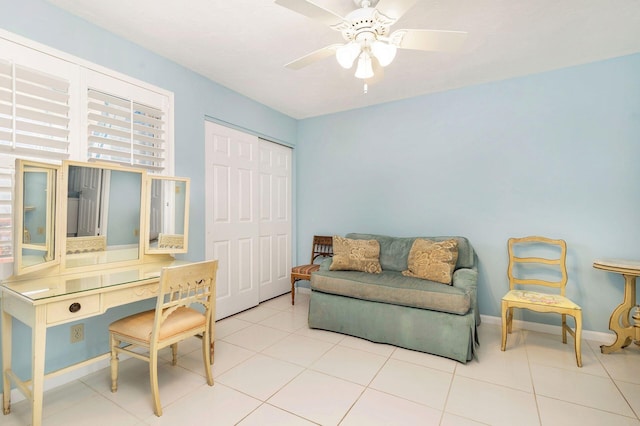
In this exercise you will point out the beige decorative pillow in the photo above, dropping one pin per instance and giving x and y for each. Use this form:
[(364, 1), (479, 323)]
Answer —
[(356, 255), (431, 260)]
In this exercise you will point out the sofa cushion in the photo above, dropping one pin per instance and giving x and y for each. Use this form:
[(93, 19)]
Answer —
[(394, 251), (392, 287), (355, 255), (431, 260)]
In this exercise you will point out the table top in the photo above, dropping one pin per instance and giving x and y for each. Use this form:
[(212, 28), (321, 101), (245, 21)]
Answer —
[(622, 266), (50, 286)]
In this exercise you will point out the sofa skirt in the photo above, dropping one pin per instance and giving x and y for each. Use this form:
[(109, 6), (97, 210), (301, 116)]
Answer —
[(439, 333)]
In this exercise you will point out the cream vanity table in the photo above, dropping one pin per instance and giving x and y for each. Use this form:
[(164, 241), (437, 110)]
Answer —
[(79, 251)]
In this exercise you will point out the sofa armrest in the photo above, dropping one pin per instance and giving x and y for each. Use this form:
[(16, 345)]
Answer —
[(467, 278)]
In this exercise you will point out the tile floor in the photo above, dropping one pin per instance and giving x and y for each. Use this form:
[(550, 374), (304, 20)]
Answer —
[(271, 369)]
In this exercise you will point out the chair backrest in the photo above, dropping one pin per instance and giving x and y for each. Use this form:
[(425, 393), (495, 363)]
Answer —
[(183, 286), (555, 257), (322, 247)]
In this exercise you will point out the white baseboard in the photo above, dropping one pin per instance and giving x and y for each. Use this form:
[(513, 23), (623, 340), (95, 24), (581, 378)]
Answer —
[(598, 336), (62, 379)]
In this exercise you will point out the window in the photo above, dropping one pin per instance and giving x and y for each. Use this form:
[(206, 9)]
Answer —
[(54, 106), (124, 131), (34, 112)]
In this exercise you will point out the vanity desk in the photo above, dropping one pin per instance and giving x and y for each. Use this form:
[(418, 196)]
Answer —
[(56, 283)]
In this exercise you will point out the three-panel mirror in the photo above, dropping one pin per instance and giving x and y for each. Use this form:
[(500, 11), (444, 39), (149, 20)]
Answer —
[(91, 214)]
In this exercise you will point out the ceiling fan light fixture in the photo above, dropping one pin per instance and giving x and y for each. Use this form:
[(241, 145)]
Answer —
[(384, 52), (347, 54), (365, 69)]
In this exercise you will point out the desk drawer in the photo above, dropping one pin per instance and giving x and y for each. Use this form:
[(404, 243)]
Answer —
[(70, 309)]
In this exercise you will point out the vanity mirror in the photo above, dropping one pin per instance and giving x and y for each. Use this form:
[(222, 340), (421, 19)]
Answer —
[(168, 221), (35, 216), (103, 205)]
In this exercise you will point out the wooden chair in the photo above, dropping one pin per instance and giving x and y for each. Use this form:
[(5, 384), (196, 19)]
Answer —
[(322, 247), (172, 321), (534, 271)]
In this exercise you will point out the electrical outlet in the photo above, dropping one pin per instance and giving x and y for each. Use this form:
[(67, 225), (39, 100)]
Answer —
[(77, 333)]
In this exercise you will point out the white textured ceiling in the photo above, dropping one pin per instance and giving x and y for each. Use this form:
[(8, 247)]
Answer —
[(243, 44)]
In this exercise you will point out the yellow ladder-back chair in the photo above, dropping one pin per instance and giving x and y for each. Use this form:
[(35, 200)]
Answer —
[(172, 321), (322, 247), (519, 297)]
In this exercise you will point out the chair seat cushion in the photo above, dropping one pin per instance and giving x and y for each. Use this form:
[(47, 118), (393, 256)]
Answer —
[(139, 326), (304, 269), (542, 299)]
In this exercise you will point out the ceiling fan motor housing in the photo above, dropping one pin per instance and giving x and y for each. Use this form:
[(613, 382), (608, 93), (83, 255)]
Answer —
[(364, 25)]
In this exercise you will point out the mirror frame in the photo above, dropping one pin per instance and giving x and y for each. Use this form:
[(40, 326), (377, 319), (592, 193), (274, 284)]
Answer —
[(64, 192), (52, 243), (151, 250)]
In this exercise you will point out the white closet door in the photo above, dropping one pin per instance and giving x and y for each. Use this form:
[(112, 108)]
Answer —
[(232, 223), (275, 219), (248, 217)]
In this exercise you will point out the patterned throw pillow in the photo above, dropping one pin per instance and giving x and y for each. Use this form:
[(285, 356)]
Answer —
[(356, 255), (431, 260)]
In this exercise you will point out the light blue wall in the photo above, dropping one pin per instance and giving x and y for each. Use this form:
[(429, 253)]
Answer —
[(552, 154), (195, 98)]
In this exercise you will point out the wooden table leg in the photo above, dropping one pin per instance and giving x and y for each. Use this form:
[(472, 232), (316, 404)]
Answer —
[(6, 361), (619, 321), (38, 355)]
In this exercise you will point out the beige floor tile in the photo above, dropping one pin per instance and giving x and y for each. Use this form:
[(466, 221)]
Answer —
[(449, 419), (491, 404), (350, 364), (413, 382), (226, 356), (424, 359), (378, 408), (257, 314), (94, 411), (229, 326), (260, 376), (556, 412), (366, 345), (269, 415), (623, 364), (548, 349), (317, 397), (631, 392), (298, 349), (500, 368), (324, 335), (217, 405), (256, 337), (288, 321), (579, 388)]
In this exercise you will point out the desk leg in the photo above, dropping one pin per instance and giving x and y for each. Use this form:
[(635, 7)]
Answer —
[(38, 345), (619, 322), (6, 361)]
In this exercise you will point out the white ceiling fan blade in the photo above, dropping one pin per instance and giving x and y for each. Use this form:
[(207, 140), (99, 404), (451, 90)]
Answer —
[(312, 10), (431, 40), (395, 8), (312, 57)]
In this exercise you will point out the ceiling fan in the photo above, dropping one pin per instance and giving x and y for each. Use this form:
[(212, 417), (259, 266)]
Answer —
[(368, 37)]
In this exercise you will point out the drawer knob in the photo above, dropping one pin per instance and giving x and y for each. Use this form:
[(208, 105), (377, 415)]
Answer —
[(74, 307)]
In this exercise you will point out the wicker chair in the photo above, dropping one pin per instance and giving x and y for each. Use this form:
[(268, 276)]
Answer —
[(322, 247)]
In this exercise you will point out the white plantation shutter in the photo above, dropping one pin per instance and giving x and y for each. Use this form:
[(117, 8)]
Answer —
[(6, 206), (34, 112), (124, 131)]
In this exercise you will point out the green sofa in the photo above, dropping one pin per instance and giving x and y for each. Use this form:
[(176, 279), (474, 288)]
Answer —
[(403, 311)]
